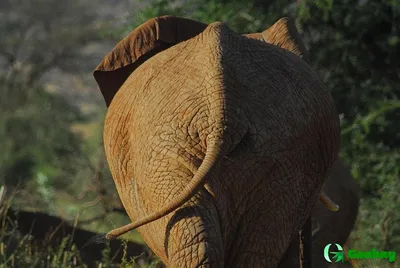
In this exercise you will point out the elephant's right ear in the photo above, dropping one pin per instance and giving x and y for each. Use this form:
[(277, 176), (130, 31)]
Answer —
[(150, 38), (284, 34)]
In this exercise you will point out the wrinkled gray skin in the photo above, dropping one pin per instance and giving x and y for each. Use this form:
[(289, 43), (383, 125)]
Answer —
[(331, 227), (251, 122)]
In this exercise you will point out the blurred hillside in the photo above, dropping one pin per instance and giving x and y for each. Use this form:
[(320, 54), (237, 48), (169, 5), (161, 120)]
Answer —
[(51, 109), (78, 85)]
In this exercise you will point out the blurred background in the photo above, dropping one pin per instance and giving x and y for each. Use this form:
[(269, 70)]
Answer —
[(51, 110)]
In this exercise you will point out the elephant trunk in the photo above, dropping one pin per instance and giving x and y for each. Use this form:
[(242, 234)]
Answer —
[(213, 154)]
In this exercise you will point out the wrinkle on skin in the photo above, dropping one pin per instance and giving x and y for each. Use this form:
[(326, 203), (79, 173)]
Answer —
[(194, 224), (275, 162)]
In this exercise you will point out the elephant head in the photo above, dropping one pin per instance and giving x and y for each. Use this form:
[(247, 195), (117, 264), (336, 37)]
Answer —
[(224, 139)]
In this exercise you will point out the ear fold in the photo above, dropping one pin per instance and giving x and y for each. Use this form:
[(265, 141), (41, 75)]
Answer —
[(150, 38), (284, 34)]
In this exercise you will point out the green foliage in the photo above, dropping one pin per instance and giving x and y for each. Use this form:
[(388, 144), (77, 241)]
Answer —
[(241, 16), (43, 150), (24, 254), (376, 167), (41, 153), (37, 139), (360, 35)]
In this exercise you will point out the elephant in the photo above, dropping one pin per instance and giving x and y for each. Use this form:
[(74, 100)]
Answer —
[(218, 143)]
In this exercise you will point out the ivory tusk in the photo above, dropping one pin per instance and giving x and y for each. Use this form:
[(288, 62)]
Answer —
[(328, 202), (2, 194)]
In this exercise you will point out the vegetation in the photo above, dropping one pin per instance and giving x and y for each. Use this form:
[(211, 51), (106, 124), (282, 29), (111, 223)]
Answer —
[(52, 151)]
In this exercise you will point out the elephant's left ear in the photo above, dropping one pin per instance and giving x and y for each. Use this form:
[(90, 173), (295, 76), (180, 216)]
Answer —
[(148, 39), (284, 34)]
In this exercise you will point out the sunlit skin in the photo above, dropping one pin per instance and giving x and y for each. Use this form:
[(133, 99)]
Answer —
[(218, 145)]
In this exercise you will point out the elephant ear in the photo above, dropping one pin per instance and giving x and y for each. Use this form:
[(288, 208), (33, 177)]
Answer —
[(150, 38), (284, 34)]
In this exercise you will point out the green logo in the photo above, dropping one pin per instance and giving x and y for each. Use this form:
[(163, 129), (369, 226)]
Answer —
[(338, 256)]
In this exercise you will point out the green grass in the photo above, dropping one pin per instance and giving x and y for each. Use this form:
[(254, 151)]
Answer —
[(61, 257), (18, 250), (27, 256)]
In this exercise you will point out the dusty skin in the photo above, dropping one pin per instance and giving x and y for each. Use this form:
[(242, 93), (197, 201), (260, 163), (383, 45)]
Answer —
[(219, 142)]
